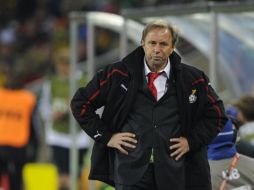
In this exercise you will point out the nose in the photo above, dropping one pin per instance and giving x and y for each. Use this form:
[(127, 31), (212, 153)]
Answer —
[(157, 48)]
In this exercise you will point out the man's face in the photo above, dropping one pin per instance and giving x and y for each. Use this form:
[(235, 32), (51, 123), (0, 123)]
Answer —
[(157, 46)]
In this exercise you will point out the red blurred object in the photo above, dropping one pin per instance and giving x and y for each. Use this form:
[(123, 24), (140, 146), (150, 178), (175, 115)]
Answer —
[(4, 182)]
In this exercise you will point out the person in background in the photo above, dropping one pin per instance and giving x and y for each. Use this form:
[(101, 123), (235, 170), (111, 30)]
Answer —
[(245, 115), (54, 107), (18, 137), (159, 116), (229, 169), (242, 112)]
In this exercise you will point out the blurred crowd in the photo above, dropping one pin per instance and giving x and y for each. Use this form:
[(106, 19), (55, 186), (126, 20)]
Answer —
[(31, 31)]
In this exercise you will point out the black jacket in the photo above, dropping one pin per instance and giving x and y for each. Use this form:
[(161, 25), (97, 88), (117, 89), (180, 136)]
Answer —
[(115, 87)]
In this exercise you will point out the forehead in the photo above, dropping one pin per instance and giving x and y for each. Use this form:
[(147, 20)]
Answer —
[(158, 33)]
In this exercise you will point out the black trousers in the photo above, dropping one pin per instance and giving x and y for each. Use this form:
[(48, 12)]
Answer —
[(14, 172), (61, 157), (147, 182)]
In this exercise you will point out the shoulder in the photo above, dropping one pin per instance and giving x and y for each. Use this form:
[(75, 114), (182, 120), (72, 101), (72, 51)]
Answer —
[(117, 68), (191, 70), (193, 74)]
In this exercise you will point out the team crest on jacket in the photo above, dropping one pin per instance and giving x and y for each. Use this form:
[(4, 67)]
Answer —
[(193, 97)]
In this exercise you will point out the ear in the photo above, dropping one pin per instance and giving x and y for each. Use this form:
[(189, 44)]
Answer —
[(142, 43), (173, 48)]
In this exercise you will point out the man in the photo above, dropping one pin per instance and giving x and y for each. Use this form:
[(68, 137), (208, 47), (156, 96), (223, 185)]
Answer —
[(229, 169), (54, 110), (18, 137), (245, 115), (150, 139), (242, 109)]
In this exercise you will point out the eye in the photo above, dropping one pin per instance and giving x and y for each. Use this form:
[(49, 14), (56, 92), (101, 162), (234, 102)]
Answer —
[(152, 42), (164, 44)]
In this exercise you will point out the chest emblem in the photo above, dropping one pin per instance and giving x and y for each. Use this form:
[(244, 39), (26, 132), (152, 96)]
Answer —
[(193, 97)]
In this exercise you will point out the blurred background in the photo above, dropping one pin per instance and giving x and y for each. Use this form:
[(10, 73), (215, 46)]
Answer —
[(50, 45)]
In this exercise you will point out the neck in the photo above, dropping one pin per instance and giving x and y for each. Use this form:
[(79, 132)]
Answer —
[(157, 68)]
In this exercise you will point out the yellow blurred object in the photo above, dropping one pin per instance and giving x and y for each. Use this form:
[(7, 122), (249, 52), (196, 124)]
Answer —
[(85, 181), (40, 176)]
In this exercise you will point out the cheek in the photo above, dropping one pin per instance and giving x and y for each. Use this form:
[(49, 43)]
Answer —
[(168, 51), (147, 51)]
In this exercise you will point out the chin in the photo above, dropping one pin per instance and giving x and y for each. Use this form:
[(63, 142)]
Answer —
[(157, 63)]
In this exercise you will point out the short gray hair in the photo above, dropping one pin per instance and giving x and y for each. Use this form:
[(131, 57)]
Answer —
[(160, 24)]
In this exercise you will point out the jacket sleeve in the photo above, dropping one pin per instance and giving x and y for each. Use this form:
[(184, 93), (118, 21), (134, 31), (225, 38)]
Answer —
[(84, 104), (212, 121)]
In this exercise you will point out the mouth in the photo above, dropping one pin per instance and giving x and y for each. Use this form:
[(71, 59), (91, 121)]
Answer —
[(157, 58)]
